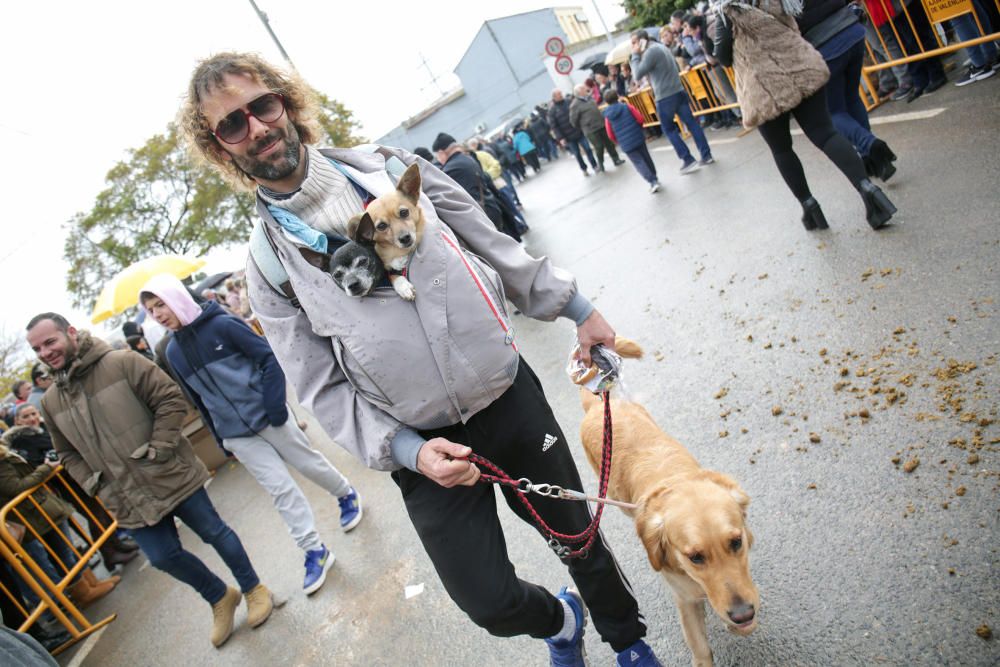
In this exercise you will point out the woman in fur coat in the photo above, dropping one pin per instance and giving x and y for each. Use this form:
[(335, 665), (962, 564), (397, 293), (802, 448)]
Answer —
[(779, 75)]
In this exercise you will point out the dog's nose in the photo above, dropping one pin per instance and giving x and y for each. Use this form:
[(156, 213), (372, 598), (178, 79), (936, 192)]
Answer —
[(741, 613), (354, 287), (406, 240)]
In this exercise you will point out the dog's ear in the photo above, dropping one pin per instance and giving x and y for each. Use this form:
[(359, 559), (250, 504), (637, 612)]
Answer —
[(651, 528), (364, 230), (728, 483), (409, 183), (352, 226)]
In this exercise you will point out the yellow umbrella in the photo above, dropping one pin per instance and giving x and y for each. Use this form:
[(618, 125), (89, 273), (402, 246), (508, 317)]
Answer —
[(122, 291)]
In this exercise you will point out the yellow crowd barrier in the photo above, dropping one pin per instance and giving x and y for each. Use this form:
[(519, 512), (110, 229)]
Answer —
[(912, 31), (707, 89), (52, 594)]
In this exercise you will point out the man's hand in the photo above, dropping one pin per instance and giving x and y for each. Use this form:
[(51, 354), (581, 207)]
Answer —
[(445, 463), (595, 330), (562, 142)]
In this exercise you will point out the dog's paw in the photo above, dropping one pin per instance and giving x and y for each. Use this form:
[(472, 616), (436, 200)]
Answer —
[(404, 288)]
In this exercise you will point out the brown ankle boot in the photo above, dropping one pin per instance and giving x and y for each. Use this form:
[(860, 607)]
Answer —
[(223, 613), (260, 604), (90, 588)]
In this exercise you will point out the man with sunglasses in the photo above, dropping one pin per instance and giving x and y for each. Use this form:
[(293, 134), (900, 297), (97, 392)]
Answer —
[(416, 387)]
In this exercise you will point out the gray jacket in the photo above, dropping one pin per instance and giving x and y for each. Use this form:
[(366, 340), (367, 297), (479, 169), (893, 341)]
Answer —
[(657, 63), (584, 114), (370, 367)]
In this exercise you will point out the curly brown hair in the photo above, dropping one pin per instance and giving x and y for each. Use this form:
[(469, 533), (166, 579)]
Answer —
[(300, 104)]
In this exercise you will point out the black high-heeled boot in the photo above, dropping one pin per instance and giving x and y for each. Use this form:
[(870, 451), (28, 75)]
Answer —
[(812, 215), (878, 208), (882, 158)]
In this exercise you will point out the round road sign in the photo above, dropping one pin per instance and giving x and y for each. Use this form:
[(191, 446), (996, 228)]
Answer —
[(564, 64), (554, 46)]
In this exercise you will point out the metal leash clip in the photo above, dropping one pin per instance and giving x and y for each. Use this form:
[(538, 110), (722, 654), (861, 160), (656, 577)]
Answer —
[(525, 485), (560, 550), (569, 494)]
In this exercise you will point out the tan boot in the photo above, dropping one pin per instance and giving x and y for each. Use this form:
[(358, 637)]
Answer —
[(90, 588), (260, 604), (223, 613), (92, 579)]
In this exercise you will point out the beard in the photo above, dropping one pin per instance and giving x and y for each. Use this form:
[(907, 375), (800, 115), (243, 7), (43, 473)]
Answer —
[(70, 351), (275, 167)]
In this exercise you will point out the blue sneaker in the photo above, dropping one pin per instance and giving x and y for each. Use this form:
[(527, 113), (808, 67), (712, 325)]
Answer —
[(570, 652), (318, 563), (638, 655), (350, 510)]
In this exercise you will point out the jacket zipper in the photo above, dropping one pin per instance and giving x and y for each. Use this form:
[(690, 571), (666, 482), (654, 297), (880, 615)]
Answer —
[(508, 332)]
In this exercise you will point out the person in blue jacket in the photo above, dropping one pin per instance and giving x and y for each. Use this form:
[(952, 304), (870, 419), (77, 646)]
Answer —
[(526, 147), (233, 378)]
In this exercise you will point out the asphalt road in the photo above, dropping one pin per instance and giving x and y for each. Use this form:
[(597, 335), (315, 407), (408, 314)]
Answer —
[(743, 315)]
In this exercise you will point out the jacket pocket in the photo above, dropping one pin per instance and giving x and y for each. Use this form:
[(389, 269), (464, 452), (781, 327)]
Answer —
[(354, 372)]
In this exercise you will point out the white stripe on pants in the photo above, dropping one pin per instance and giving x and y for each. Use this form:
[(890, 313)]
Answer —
[(266, 453)]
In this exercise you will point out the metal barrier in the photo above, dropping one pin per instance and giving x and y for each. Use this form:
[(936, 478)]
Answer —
[(913, 32), (51, 594)]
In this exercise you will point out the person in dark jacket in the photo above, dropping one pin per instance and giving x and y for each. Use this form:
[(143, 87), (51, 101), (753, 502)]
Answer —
[(467, 172), (542, 133), (584, 115), (623, 123), (233, 378), (832, 26), (509, 162), (568, 136)]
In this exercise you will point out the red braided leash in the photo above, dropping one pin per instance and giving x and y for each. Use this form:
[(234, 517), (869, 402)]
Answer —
[(557, 539)]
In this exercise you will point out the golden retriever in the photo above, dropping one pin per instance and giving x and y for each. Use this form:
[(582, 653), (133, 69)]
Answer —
[(692, 521)]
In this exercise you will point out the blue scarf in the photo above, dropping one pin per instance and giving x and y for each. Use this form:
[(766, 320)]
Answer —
[(293, 224)]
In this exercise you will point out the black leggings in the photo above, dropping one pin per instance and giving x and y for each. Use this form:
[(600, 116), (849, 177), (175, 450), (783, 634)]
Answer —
[(814, 119)]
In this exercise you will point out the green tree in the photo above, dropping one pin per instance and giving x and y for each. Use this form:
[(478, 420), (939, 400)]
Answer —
[(338, 122), (156, 202), (647, 13), (14, 362)]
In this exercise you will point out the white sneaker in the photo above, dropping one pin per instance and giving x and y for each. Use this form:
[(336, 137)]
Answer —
[(654, 188), (690, 166)]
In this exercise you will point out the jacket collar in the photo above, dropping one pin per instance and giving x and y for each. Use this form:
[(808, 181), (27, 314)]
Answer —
[(89, 351)]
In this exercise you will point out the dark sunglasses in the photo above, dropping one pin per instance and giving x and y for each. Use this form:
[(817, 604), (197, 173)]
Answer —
[(235, 127)]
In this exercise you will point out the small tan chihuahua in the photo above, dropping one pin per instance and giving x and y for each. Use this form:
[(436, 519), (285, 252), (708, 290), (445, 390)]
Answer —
[(394, 223)]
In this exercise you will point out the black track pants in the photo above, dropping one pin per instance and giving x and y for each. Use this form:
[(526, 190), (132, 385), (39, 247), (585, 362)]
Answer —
[(461, 531)]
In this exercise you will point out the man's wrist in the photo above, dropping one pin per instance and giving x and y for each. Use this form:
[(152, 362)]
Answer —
[(578, 309), (405, 446)]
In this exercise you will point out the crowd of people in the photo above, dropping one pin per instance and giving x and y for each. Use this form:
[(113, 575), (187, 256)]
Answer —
[(460, 343)]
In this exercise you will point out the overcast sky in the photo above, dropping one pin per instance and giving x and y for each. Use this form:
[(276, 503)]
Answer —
[(84, 82)]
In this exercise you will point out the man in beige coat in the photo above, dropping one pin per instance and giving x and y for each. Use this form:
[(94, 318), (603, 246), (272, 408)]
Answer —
[(115, 420)]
